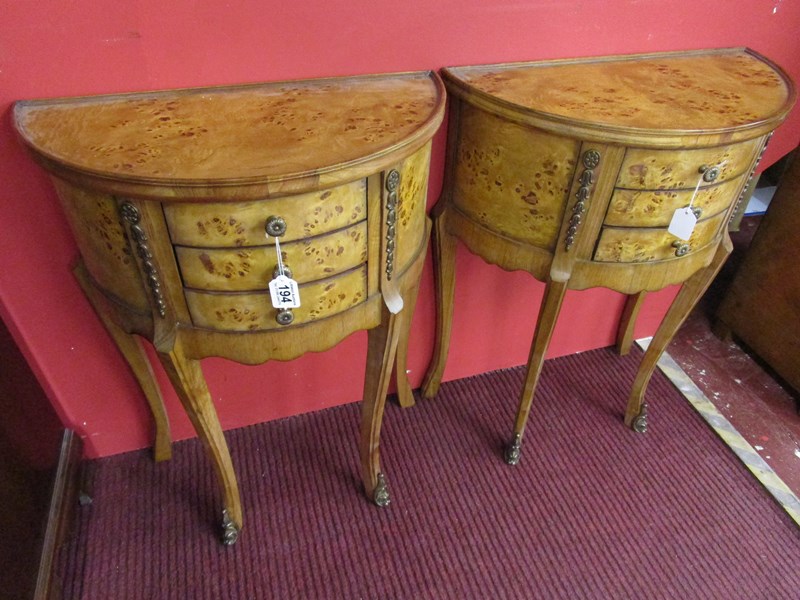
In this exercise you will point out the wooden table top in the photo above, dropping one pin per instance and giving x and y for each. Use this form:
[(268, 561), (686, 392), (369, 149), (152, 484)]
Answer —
[(673, 92), (265, 132)]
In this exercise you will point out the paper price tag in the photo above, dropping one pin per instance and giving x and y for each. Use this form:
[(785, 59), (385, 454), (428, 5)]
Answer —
[(682, 224), (284, 292)]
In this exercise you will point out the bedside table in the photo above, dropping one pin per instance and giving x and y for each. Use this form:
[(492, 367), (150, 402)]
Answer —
[(179, 201), (573, 171)]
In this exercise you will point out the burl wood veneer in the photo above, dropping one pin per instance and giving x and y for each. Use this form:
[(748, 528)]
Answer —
[(169, 194), (572, 170)]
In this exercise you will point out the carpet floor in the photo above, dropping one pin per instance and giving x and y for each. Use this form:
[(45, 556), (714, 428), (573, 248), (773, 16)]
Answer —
[(592, 510)]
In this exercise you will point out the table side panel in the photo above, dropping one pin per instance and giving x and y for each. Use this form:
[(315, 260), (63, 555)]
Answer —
[(103, 243), (511, 178)]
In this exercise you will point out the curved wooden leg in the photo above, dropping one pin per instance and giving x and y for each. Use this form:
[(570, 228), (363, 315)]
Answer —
[(690, 293), (405, 395), (189, 383), (131, 348), (627, 322), (444, 263), (381, 348), (545, 324)]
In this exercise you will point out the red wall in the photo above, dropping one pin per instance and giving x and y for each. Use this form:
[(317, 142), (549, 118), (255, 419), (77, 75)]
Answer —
[(75, 47)]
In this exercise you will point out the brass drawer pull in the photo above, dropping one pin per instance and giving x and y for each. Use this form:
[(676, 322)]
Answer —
[(286, 271), (285, 316), (681, 248), (275, 226), (709, 173)]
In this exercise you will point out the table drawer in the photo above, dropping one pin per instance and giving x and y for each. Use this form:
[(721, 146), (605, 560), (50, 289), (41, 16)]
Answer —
[(251, 268), (245, 311), (670, 169), (632, 245), (654, 208), (225, 224)]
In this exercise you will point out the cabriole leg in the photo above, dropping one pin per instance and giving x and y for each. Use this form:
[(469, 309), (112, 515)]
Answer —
[(381, 348), (690, 293), (545, 324), (190, 385), (444, 264), (131, 348), (627, 322)]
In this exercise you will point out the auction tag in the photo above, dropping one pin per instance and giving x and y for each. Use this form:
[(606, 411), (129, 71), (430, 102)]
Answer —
[(284, 292), (682, 224)]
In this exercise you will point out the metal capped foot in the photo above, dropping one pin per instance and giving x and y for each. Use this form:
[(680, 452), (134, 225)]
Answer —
[(381, 494), (230, 531), (514, 450), (639, 424)]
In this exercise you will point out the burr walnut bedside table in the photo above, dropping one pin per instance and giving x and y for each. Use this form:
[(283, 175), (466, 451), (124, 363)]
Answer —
[(620, 172), (180, 200)]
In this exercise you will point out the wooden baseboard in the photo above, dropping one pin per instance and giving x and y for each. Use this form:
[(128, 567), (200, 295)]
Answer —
[(61, 515)]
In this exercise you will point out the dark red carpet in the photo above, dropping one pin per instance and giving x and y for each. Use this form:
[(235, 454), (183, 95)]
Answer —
[(592, 510)]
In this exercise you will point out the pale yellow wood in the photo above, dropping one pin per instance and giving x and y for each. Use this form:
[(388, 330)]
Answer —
[(635, 98), (135, 356), (627, 322), (545, 324), (102, 241), (227, 225), (169, 193), (189, 383), (655, 208), (260, 134), (684, 302), (381, 348), (246, 269), (649, 169), (410, 286), (631, 245), (246, 311), (511, 179), (616, 145)]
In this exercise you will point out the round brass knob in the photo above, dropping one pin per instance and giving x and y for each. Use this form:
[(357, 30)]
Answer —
[(709, 173), (285, 316), (275, 226), (681, 248), (286, 271)]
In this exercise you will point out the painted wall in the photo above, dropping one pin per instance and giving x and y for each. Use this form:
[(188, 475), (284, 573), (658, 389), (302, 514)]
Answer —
[(79, 47)]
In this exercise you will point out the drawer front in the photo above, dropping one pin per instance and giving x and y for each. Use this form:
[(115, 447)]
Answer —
[(513, 179), (670, 169), (253, 311), (632, 245), (251, 268), (231, 225), (654, 208)]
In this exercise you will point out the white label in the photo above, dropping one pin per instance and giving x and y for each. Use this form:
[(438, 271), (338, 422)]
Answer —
[(284, 292), (682, 224)]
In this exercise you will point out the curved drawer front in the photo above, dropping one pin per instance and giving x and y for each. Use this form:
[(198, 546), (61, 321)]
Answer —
[(253, 311), (631, 245), (513, 179), (251, 268), (669, 169), (654, 208), (217, 224)]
